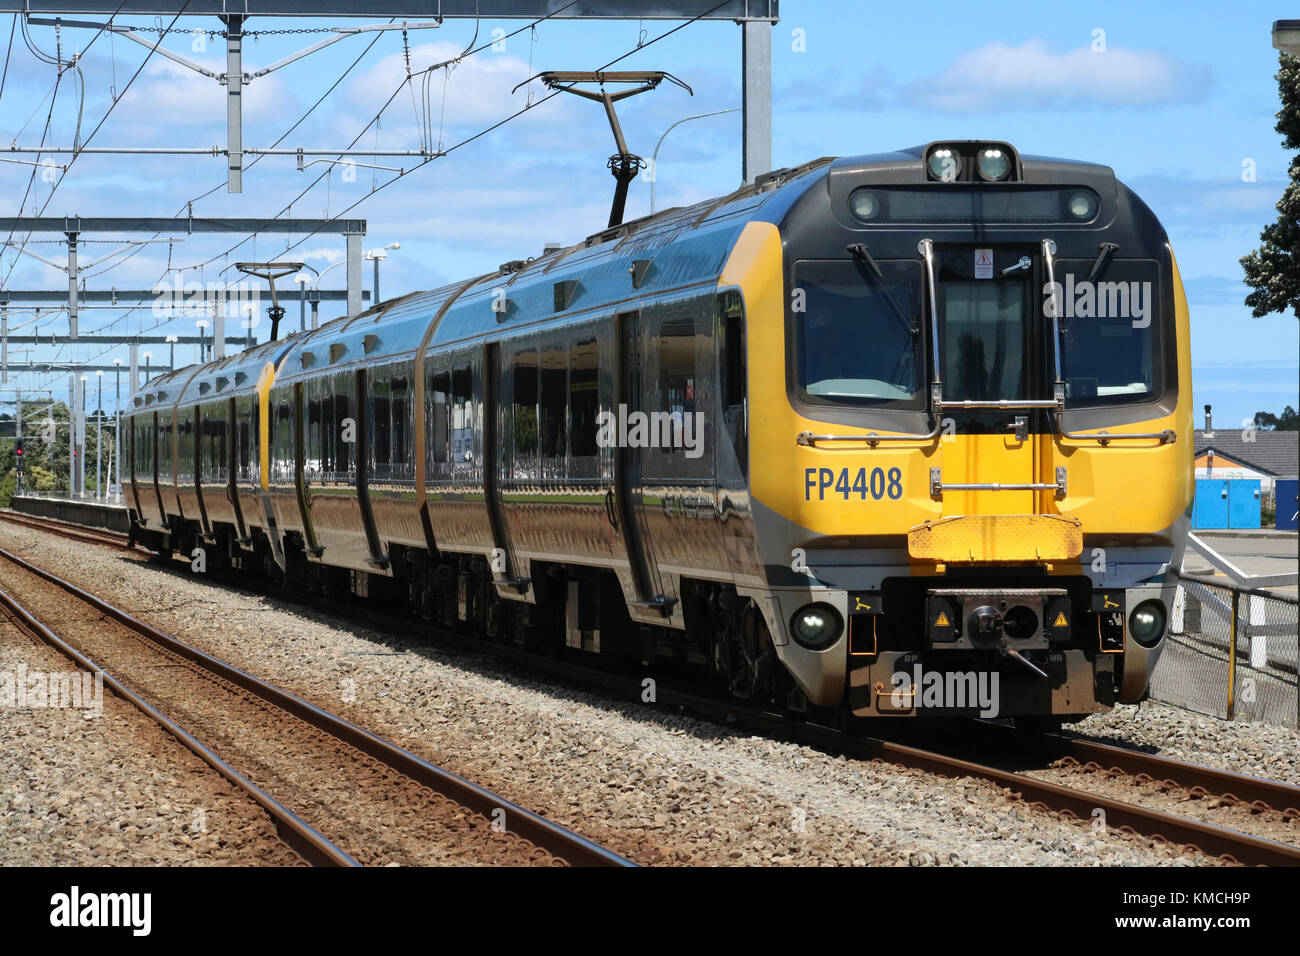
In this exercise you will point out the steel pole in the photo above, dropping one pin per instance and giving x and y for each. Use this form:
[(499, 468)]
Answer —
[(99, 440), (756, 60), (81, 440), (117, 427), (72, 435), (18, 443)]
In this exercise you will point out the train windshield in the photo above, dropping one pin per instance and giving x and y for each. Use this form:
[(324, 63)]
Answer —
[(1110, 332), (983, 340), (857, 338)]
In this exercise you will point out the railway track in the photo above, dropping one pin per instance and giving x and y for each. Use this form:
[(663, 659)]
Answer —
[(64, 529), (1257, 793), (338, 794), (1069, 801)]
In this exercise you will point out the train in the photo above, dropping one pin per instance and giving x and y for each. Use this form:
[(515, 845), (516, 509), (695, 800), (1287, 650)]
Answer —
[(896, 435)]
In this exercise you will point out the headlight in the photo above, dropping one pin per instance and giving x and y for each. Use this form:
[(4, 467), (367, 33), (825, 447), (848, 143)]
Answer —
[(1147, 623), (816, 626), (1083, 206), (944, 165), (864, 204), (993, 165)]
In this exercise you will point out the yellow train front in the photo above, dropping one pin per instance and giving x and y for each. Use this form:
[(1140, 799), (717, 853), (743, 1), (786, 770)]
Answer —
[(974, 427)]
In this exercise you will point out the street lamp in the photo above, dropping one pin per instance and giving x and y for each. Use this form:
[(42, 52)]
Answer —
[(171, 340), (314, 297), (1286, 36), (147, 357), (302, 279), (654, 160), (201, 325), (117, 425), (376, 255)]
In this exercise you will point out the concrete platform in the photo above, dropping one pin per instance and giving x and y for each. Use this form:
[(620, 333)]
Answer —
[(96, 514)]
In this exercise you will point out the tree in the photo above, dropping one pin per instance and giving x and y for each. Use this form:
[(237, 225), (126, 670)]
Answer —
[(45, 448), (1288, 421), (1273, 270)]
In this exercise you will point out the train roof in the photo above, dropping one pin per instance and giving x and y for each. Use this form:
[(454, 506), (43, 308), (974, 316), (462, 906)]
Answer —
[(229, 376), (670, 250)]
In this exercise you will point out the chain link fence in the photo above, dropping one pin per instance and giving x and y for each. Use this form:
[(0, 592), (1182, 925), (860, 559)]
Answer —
[(1231, 653)]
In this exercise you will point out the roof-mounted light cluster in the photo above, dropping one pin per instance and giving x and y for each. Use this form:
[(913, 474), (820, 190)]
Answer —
[(971, 162)]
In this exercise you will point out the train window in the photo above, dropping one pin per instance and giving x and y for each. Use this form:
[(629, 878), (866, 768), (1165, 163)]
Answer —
[(854, 333), (185, 451), (380, 424), (402, 464), (733, 348), (345, 389), (314, 442), (439, 413), (523, 413), (983, 340), (1110, 332), (246, 430), (283, 459), (584, 403), (165, 439), (676, 380), (464, 422), (731, 312), (552, 394), (144, 442), (220, 445), (253, 422)]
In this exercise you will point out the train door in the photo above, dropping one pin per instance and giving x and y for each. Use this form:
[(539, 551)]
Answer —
[(160, 464), (233, 454), (130, 457), (364, 451), (629, 460), (201, 429), (993, 387), (504, 565)]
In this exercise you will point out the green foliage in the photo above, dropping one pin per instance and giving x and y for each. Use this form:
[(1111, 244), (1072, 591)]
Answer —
[(1273, 270), (1288, 421), (46, 452), (40, 479)]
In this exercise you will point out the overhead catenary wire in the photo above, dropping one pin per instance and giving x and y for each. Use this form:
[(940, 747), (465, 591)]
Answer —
[(470, 50), (436, 155), (13, 27), (55, 185)]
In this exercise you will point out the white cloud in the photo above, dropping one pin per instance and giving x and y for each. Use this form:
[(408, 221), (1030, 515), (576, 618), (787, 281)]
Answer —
[(998, 77), (167, 95)]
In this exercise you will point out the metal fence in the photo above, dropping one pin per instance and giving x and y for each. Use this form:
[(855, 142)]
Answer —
[(1231, 653)]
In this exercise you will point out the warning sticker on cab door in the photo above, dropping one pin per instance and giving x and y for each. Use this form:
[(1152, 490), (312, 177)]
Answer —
[(984, 263)]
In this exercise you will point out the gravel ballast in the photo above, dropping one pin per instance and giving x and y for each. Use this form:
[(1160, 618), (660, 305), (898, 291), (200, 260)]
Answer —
[(656, 786), (83, 790)]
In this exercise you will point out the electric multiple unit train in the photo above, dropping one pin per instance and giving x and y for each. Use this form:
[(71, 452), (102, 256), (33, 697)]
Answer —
[(856, 424)]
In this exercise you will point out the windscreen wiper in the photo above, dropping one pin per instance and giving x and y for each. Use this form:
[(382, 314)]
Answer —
[(1104, 252), (862, 254)]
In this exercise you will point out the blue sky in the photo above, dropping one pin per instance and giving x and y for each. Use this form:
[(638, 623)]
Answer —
[(1175, 104)]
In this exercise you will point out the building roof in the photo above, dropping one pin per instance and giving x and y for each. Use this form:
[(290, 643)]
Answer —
[(1275, 453)]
